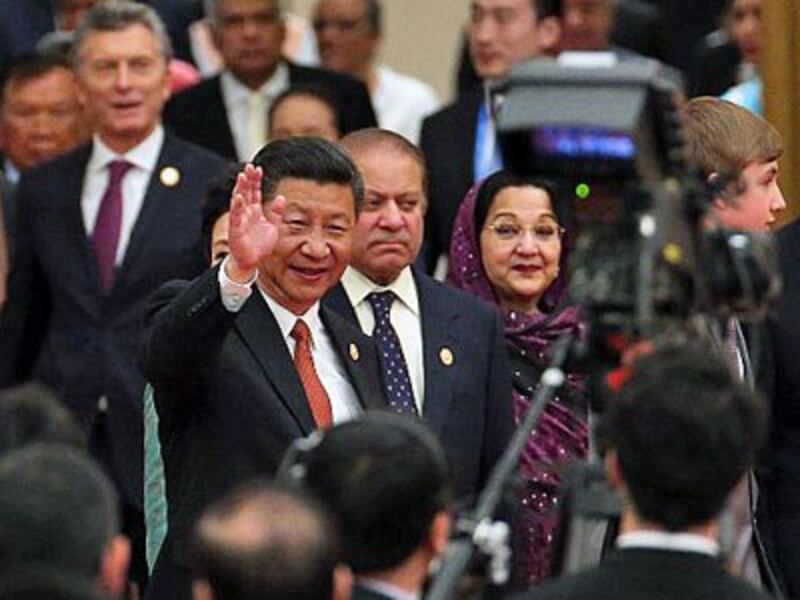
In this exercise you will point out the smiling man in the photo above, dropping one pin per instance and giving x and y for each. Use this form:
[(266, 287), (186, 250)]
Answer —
[(244, 360), (98, 230), (442, 352)]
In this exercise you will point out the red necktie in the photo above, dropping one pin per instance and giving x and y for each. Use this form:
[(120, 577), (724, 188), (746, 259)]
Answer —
[(318, 398), (105, 237)]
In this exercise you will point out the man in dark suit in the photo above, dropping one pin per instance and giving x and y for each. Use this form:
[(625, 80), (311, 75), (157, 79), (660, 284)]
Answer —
[(460, 142), (40, 118), (680, 436), (451, 366), (99, 229), (243, 360), (387, 483), (227, 113)]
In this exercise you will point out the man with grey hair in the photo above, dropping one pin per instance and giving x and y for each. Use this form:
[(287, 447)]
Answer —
[(228, 113), (98, 230)]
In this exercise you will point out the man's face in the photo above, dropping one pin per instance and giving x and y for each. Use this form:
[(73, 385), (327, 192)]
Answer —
[(313, 246), (388, 234), (758, 203), (41, 117), (501, 34), (249, 35), (345, 39), (122, 78), (587, 24)]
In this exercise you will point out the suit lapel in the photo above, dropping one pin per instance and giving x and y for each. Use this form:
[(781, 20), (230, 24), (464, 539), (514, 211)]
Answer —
[(338, 302), (71, 189), (439, 347), (155, 197), (261, 333), (218, 118), (356, 358)]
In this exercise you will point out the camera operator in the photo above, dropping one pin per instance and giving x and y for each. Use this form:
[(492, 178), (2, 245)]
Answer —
[(680, 435)]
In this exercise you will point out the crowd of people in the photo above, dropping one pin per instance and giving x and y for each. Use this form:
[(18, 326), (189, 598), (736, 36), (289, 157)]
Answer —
[(270, 314)]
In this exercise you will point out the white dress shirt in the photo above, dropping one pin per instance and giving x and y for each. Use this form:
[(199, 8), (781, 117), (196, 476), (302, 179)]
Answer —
[(404, 317), (664, 540), (401, 102), (332, 374), (144, 158), (236, 97), (386, 589)]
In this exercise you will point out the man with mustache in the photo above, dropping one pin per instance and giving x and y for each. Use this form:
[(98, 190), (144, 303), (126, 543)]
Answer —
[(441, 352)]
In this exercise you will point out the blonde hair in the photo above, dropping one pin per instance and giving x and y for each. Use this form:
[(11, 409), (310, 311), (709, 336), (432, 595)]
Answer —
[(724, 138)]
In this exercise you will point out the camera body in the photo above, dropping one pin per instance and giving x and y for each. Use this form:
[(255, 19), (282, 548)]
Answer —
[(642, 260)]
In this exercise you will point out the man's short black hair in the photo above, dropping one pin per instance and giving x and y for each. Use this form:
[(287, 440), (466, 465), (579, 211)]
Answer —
[(56, 508), (218, 202), (309, 158), (384, 477), (29, 67), (548, 8), (31, 413), (685, 431), (261, 542), (44, 582)]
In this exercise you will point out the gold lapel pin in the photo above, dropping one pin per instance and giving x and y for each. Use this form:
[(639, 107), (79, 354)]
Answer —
[(354, 353), (446, 356), (170, 176)]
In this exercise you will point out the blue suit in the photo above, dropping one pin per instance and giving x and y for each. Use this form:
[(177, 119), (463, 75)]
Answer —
[(467, 402)]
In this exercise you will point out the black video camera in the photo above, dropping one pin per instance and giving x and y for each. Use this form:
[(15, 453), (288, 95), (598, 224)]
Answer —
[(641, 260)]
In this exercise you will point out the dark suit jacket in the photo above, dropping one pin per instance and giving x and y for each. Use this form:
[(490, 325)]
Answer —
[(228, 396), (782, 484), (642, 28), (448, 143), (198, 113), (362, 593), (639, 574), (467, 404), (22, 24), (61, 328)]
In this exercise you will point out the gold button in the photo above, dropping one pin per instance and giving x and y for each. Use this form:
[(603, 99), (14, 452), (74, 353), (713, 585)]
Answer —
[(446, 356), (354, 353)]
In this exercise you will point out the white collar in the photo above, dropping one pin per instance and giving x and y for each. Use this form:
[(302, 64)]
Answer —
[(143, 156), (358, 286), (387, 589), (286, 318), (11, 171), (664, 540), (238, 93)]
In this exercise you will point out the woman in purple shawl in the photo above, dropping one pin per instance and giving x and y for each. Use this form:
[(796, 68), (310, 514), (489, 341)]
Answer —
[(507, 249)]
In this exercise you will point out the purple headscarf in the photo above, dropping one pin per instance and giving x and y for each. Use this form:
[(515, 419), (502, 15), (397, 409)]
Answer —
[(532, 333)]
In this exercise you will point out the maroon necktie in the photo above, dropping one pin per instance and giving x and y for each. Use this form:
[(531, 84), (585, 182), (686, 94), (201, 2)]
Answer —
[(105, 237)]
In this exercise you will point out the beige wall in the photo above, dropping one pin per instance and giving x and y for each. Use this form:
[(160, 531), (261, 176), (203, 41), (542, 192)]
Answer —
[(422, 38)]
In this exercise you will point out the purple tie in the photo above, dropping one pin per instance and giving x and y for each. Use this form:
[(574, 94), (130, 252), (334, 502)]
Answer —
[(109, 222)]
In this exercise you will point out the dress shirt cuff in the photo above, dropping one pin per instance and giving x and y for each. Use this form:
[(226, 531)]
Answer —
[(233, 294)]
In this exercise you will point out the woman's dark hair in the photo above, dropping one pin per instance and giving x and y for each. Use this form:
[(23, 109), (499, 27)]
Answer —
[(310, 90), (494, 184)]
